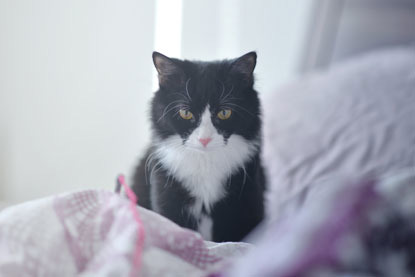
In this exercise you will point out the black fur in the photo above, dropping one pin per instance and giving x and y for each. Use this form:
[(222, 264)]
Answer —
[(235, 215)]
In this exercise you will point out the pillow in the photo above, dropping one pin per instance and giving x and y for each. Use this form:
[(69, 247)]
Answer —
[(353, 121)]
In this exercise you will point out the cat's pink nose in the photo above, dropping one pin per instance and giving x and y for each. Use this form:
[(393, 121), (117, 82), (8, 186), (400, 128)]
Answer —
[(205, 141)]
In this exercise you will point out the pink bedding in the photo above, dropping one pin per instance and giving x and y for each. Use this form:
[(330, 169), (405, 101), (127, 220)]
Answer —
[(94, 233)]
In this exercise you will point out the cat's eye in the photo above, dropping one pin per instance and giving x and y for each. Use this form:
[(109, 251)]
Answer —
[(224, 114), (185, 114)]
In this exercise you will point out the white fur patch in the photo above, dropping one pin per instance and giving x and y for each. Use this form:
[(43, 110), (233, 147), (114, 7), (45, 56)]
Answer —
[(204, 170), (205, 227)]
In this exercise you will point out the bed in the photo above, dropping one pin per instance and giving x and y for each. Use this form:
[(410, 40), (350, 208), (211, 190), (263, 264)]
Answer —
[(339, 152)]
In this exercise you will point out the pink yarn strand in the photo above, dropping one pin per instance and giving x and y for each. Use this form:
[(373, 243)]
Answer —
[(140, 240)]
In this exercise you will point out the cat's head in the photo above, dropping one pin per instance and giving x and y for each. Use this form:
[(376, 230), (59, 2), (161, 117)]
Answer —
[(206, 105)]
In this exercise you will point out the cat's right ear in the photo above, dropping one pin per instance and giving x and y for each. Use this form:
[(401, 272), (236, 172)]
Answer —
[(169, 71)]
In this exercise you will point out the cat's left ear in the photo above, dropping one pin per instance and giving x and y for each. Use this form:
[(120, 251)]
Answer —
[(245, 65), (169, 70)]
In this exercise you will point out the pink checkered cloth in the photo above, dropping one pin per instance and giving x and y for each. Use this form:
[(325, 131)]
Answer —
[(94, 233)]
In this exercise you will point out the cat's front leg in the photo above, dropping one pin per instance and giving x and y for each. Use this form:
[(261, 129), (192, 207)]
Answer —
[(171, 200)]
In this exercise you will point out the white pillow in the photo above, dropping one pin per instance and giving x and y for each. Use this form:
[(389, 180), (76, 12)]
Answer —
[(355, 120)]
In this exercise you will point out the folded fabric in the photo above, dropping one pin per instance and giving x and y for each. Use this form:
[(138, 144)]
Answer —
[(94, 233), (361, 229)]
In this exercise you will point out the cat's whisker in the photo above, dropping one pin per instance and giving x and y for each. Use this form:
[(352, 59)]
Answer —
[(185, 97), (236, 106), (178, 106), (169, 110), (172, 144), (227, 95), (154, 169), (174, 102), (147, 164), (223, 89), (244, 181), (165, 109), (187, 91), (167, 182)]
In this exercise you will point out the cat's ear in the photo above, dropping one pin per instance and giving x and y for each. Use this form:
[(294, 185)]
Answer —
[(169, 70), (245, 65)]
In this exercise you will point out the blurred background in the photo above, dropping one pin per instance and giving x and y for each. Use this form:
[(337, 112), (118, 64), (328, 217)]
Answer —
[(76, 76)]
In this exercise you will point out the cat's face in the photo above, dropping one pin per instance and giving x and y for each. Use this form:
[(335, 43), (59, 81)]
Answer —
[(206, 106)]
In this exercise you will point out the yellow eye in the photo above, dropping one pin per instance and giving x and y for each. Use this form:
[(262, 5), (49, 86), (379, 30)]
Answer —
[(224, 114), (185, 114)]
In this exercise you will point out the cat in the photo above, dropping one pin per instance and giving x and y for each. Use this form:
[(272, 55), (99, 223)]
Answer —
[(203, 169)]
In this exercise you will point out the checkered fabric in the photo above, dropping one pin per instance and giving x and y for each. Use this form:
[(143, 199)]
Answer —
[(93, 233)]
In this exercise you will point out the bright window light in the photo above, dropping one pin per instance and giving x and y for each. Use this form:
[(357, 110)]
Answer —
[(168, 29)]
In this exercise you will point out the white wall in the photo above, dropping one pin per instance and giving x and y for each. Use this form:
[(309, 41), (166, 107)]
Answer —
[(75, 79), (276, 29)]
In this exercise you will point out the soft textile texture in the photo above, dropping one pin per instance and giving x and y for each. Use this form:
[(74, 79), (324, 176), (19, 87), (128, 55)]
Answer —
[(359, 229), (93, 233), (339, 153), (356, 120)]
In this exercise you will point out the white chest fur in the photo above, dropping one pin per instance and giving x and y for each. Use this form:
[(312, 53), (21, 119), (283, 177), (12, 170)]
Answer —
[(204, 172)]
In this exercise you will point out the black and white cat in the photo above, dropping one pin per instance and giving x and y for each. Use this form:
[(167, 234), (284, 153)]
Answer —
[(203, 168)]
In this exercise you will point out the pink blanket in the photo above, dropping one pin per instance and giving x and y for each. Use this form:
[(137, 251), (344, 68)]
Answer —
[(93, 233)]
